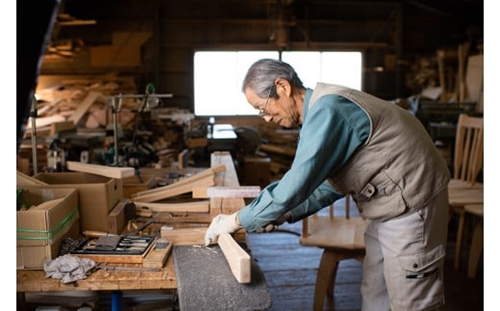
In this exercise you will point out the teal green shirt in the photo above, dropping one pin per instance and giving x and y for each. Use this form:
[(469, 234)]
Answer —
[(333, 128)]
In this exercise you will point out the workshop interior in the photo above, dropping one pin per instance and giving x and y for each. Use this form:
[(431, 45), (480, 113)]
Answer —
[(132, 134)]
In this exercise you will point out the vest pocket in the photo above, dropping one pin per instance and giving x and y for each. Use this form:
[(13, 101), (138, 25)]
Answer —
[(380, 199)]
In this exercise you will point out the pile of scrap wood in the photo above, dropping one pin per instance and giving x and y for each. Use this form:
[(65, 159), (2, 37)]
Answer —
[(84, 105), (74, 103)]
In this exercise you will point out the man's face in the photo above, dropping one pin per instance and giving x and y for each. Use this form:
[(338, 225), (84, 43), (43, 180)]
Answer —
[(281, 110)]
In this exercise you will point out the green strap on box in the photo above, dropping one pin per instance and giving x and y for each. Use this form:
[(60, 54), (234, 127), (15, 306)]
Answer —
[(51, 233)]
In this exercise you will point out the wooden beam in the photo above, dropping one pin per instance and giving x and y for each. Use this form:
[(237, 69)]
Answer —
[(237, 258), (226, 192), (239, 261), (187, 207), (171, 190), (201, 179), (108, 171)]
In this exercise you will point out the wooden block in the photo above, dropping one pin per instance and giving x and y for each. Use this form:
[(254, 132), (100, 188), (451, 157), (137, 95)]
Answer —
[(239, 261), (120, 215), (157, 257), (57, 127)]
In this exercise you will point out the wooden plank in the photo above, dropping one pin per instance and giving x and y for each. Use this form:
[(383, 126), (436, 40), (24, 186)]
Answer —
[(170, 190), (57, 127), (184, 236), (185, 185), (108, 171), (84, 106), (226, 192), (45, 121), (173, 218), (187, 207), (239, 261)]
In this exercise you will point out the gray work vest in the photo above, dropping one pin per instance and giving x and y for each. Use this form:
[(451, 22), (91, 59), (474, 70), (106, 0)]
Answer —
[(398, 169)]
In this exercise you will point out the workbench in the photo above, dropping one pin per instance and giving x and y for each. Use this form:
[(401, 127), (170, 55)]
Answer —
[(105, 280)]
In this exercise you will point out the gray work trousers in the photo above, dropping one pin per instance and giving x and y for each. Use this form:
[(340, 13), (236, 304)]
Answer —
[(403, 266)]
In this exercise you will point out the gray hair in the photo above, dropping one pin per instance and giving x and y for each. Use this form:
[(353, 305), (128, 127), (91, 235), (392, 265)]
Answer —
[(262, 74)]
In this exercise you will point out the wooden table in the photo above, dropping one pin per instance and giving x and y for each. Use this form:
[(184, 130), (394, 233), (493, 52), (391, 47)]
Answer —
[(105, 280), (117, 281)]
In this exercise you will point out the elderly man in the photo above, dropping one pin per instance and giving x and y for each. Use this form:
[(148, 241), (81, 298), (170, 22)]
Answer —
[(354, 143)]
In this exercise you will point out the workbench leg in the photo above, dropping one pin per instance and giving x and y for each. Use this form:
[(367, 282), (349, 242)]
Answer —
[(116, 300)]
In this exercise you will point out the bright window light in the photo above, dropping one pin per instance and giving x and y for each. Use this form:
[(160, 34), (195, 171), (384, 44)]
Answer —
[(218, 76)]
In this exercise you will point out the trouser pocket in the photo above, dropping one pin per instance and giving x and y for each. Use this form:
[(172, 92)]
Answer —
[(420, 285)]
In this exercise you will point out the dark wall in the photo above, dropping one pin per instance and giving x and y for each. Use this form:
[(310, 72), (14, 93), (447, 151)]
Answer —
[(390, 33)]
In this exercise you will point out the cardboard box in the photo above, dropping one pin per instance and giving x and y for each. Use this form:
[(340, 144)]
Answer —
[(97, 195), (47, 218), (133, 184)]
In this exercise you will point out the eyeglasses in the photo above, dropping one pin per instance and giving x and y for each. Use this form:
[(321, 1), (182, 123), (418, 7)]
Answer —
[(263, 113)]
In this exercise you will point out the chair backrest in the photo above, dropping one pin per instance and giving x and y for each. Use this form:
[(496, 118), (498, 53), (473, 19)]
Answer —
[(468, 154)]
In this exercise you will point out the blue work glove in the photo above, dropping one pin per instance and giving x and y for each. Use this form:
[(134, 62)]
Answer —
[(221, 223)]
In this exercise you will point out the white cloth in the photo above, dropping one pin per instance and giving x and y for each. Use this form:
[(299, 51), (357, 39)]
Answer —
[(68, 268)]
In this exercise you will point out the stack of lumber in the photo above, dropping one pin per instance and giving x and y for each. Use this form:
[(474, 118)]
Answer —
[(71, 103), (187, 206), (184, 223)]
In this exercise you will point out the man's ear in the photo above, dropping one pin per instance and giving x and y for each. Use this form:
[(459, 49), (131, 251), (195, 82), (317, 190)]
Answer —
[(283, 87)]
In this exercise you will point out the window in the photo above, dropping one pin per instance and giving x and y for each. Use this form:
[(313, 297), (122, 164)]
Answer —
[(218, 76)]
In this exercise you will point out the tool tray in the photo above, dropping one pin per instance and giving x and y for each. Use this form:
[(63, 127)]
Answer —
[(115, 245)]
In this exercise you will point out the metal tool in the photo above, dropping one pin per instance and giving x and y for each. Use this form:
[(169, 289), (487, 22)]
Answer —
[(107, 267)]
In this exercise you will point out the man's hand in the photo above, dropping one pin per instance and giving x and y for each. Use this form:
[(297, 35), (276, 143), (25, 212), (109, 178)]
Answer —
[(273, 226), (221, 223)]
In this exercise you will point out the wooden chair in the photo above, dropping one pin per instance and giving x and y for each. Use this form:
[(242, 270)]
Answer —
[(341, 237), (463, 188), (468, 153)]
